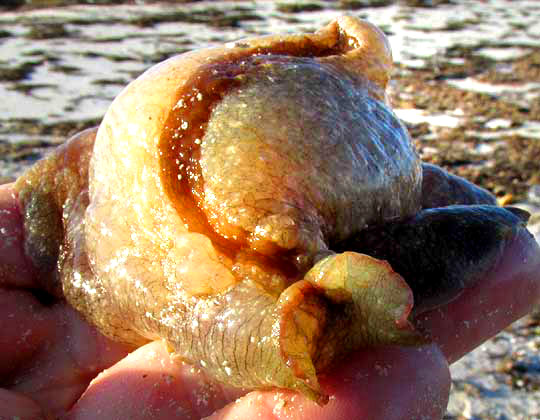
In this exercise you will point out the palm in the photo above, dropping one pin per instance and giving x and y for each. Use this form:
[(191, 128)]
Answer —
[(50, 356)]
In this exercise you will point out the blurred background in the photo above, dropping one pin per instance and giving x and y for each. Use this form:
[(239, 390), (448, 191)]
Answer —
[(466, 84)]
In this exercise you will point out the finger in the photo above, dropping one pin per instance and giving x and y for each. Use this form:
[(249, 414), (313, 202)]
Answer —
[(50, 352), (389, 383), (18, 406), (15, 271), (149, 384), (25, 327), (74, 354), (508, 292)]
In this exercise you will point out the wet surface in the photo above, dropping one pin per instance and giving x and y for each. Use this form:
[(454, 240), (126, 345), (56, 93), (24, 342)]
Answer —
[(467, 84), (467, 79)]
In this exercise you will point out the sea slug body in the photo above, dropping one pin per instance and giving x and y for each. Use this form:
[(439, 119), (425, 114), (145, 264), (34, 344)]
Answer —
[(223, 203)]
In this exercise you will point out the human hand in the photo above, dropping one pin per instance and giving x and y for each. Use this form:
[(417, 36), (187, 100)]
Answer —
[(51, 358)]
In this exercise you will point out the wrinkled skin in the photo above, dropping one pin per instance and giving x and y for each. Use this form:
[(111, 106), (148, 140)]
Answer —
[(234, 264), (46, 369)]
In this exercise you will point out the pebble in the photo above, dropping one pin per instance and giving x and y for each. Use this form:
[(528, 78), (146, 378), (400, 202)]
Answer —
[(498, 123), (534, 194)]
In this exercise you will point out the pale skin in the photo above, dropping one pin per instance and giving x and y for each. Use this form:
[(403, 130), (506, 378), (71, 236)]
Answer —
[(57, 365)]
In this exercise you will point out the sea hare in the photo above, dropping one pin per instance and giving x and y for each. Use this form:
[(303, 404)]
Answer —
[(223, 203)]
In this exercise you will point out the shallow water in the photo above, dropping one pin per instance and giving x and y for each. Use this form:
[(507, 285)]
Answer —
[(65, 65)]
